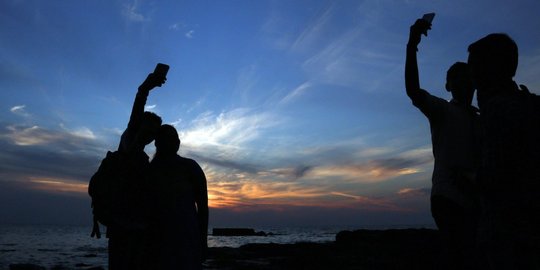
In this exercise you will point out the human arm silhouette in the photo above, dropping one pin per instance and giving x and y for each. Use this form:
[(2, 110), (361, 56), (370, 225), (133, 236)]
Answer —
[(412, 81), (152, 81), (137, 112)]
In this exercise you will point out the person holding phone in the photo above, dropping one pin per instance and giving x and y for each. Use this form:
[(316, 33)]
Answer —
[(455, 132), (126, 233)]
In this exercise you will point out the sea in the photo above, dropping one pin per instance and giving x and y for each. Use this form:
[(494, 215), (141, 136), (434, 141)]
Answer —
[(71, 247)]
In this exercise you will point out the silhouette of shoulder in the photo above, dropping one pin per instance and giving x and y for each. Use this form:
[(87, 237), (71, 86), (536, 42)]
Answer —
[(431, 106), (192, 166)]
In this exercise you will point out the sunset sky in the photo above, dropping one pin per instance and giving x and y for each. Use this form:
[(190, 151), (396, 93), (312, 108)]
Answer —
[(296, 110)]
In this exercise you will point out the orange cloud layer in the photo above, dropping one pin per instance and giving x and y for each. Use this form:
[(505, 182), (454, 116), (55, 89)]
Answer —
[(56, 185)]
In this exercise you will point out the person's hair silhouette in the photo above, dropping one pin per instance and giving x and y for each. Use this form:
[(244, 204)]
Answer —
[(167, 141), (493, 62)]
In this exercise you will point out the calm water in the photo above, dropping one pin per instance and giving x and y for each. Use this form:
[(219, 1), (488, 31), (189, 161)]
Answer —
[(72, 247)]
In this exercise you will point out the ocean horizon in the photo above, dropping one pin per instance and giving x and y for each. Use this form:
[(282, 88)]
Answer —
[(71, 245)]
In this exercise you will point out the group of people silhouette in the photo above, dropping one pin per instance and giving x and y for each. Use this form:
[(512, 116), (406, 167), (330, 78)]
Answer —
[(484, 197), (485, 184)]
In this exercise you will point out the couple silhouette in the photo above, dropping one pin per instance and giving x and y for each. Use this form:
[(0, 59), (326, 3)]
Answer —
[(156, 212), (486, 182)]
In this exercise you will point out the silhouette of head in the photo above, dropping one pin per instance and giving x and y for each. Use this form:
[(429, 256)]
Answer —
[(492, 59), (167, 141), (458, 81), (149, 126)]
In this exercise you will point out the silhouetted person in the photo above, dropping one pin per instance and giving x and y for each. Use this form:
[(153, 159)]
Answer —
[(129, 216), (180, 208), (454, 133), (510, 170)]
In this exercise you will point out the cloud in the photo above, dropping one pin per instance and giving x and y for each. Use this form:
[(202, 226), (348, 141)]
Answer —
[(414, 192), (315, 30), (306, 178), (226, 133), (295, 172), (150, 107), (353, 161), (176, 123), (35, 135), (244, 172), (371, 172), (189, 34), (42, 152), (20, 110), (84, 132), (129, 11), (246, 81), (58, 185), (297, 92), (177, 26), (340, 54), (247, 194)]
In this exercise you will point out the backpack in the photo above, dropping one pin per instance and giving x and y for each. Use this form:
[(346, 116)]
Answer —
[(102, 190)]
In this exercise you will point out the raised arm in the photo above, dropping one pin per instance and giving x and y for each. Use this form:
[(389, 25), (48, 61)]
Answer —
[(412, 81), (137, 111), (144, 89)]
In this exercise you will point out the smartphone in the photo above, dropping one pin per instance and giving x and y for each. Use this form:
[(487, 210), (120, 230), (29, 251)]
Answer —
[(428, 17), (161, 70)]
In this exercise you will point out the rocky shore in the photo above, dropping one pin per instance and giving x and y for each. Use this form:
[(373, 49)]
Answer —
[(362, 249)]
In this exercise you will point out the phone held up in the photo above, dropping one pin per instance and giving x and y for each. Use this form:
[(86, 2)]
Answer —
[(161, 70), (428, 17)]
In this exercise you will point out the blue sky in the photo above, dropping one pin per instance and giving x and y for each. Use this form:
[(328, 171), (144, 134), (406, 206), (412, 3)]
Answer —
[(296, 110)]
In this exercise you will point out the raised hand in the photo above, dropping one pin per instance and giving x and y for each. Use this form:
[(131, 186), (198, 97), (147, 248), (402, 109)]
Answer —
[(153, 80), (420, 27)]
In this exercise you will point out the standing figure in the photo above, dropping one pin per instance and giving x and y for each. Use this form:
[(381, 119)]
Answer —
[(509, 175), (179, 206), (455, 131), (128, 215)]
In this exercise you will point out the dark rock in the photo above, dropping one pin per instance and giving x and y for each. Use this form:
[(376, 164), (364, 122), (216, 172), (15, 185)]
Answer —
[(416, 249)]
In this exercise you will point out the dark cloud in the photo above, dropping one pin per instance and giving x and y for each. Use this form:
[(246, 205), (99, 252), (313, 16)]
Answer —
[(398, 163), (301, 170), (22, 206), (58, 154), (415, 192), (295, 216)]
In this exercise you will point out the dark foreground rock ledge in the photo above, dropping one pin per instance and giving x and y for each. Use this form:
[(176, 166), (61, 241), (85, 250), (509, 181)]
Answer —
[(361, 249)]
